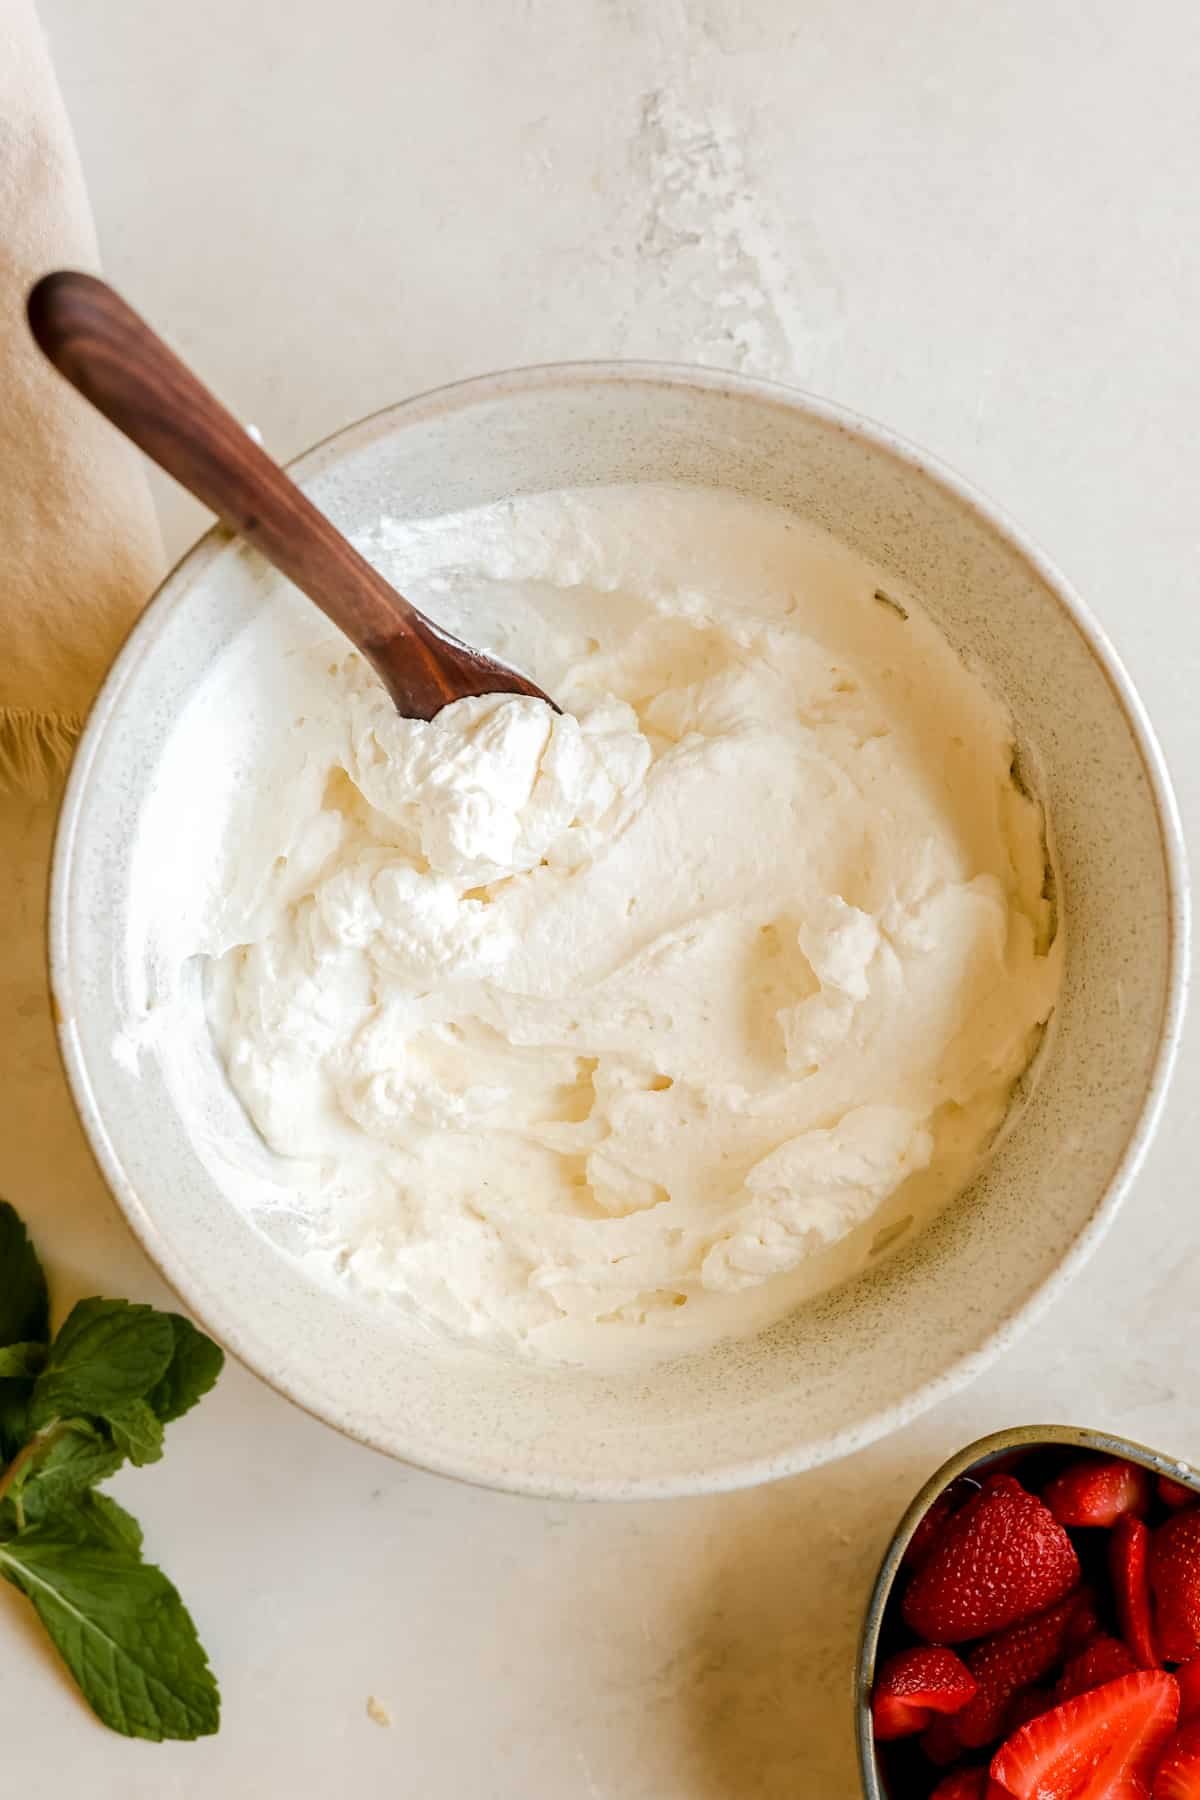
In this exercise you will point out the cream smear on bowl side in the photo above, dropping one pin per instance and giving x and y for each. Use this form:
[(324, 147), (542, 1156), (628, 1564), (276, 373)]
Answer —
[(600, 1037)]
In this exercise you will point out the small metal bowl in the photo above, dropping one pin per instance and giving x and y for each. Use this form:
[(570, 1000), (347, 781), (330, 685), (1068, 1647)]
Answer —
[(976, 1458)]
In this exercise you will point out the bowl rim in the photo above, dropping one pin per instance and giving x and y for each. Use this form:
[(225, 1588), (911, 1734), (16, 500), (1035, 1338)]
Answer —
[(445, 400), (995, 1444)]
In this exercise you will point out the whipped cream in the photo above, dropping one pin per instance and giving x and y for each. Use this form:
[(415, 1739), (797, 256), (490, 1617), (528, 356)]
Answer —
[(606, 1034)]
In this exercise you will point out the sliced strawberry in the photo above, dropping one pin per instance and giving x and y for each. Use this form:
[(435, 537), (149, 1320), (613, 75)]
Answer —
[(1175, 1578), (892, 1718), (1188, 1677), (1002, 1558), (1178, 1774), (1006, 1664), (1030, 1705), (921, 1680), (1174, 1495), (1102, 1744), (1104, 1660), (968, 1784), (964, 1784), (1128, 1562), (1085, 1623), (1097, 1490), (939, 1741)]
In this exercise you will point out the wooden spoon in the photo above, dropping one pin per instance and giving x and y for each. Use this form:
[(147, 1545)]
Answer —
[(116, 361)]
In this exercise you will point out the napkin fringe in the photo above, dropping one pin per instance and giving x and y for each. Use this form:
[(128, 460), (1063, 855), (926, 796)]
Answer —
[(35, 747)]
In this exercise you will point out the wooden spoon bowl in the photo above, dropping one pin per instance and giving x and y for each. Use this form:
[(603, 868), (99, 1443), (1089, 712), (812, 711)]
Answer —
[(118, 363)]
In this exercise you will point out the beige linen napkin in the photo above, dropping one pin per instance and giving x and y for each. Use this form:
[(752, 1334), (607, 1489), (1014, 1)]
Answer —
[(79, 545)]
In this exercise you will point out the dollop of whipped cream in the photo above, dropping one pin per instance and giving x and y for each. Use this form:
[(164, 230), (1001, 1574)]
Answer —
[(622, 1029)]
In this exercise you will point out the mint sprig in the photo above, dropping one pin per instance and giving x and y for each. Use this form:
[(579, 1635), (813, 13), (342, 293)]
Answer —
[(107, 1354), (192, 1370), (73, 1409), (24, 1319), (21, 1360), (24, 1301), (70, 1461)]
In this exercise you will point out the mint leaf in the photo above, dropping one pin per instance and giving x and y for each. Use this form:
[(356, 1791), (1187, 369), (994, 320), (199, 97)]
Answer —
[(191, 1371), (87, 1515), (81, 1455), (70, 1415), (14, 1417), (99, 1516), (107, 1353), (24, 1318), (137, 1432), (21, 1359), (24, 1303), (120, 1627)]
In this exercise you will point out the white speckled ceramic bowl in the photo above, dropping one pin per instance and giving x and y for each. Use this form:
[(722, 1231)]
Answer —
[(863, 1360)]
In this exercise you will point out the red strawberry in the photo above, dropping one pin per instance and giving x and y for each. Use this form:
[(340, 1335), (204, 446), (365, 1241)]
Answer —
[(929, 1530), (1006, 1664), (1174, 1495), (893, 1718), (939, 1741), (1188, 1677), (1085, 1623), (1178, 1776), (1104, 1660), (923, 1539), (1097, 1490), (1096, 1747), (1175, 1578), (914, 1685), (1128, 1554), (1000, 1559), (968, 1784), (1029, 1705)]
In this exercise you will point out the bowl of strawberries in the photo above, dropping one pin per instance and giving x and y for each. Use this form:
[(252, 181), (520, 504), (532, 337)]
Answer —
[(1034, 1631)]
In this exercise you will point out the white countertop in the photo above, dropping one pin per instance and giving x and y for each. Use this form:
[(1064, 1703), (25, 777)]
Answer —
[(976, 223)]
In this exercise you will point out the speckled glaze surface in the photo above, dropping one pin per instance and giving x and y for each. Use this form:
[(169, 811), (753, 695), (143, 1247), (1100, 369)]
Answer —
[(971, 1460), (865, 1359)]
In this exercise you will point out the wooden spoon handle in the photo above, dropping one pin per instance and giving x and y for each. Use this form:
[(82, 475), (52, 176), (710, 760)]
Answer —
[(118, 363)]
